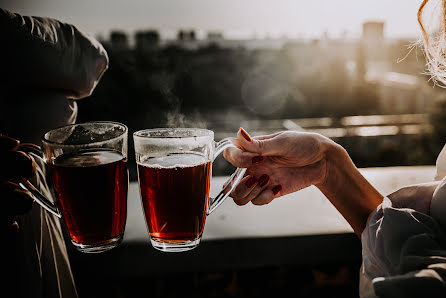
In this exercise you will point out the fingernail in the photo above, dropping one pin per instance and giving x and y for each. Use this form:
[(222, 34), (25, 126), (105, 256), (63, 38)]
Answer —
[(245, 135), (257, 159), (250, 182), (263, 180), (276, 189)]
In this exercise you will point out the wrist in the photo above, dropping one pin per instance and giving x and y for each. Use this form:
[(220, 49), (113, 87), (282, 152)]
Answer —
[(336, 160), (350, 193)]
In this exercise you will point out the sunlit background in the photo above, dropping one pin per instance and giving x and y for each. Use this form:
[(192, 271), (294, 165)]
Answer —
[(237, 19), (347, 69)]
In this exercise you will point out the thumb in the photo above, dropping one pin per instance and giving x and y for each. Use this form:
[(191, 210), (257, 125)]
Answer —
[(264, 145)]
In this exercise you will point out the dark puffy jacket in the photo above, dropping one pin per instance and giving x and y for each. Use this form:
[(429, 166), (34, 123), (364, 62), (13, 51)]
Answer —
[(46, 53)]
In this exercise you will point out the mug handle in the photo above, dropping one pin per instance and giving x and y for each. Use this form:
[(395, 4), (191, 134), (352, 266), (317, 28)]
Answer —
[(49, 206), (232, 182)]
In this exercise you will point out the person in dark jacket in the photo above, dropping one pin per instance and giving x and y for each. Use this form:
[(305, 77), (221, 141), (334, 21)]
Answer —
[(47, 66)]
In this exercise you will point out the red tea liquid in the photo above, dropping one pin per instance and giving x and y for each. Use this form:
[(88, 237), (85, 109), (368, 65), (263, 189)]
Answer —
[(175, 194), (91, 188)]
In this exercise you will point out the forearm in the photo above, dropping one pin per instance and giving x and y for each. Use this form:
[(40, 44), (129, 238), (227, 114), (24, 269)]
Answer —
[(345, 187)]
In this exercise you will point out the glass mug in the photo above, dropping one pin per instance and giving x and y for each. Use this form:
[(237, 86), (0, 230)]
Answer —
[(174, 174), (87, 165)]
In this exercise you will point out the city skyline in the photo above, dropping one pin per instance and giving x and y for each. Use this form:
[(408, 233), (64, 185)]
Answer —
[(235, 19)]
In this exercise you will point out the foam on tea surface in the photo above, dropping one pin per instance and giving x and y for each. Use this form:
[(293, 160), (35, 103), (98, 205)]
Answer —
[(174, 161), (88, 159)]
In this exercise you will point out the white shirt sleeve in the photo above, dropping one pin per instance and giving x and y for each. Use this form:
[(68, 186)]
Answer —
[(438, 203), (441, 164), (403, 248), (404, 254)]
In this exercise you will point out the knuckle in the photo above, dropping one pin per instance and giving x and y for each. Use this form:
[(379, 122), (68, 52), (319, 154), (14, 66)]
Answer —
[(236, 192), (238, 200), (226, 154), (230, 155), (254, 194), (260, 145)]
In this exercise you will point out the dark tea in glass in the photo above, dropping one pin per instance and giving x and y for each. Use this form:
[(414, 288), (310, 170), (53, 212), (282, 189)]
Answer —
[(87, 165), (91, 189), (174, 173), (174, 195)]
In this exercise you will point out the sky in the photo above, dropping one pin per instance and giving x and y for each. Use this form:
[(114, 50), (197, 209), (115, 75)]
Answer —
[(235, 18)]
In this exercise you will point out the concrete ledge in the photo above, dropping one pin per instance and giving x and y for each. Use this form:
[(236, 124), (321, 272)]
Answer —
[(141, 260), (302, 228)]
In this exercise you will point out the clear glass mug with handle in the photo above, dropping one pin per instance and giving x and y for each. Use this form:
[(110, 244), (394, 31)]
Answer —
[(87, 166), (174, 174)]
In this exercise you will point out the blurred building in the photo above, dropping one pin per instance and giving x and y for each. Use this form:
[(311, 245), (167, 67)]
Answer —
[(147, 40), (119, 40), (373, 32), (215, 36), (187, 39), (186, 35), (372, 40), (310, 57), (400, 93)]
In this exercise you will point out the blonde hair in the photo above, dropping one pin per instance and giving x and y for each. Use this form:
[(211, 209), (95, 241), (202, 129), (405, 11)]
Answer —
[(434, 39)]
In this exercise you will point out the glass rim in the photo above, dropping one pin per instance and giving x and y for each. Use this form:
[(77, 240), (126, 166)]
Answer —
[(125, 131), (144, 133)]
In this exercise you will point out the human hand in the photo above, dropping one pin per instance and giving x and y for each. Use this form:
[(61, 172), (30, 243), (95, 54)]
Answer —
[(14, 166), (277, 164), (286, 162)]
